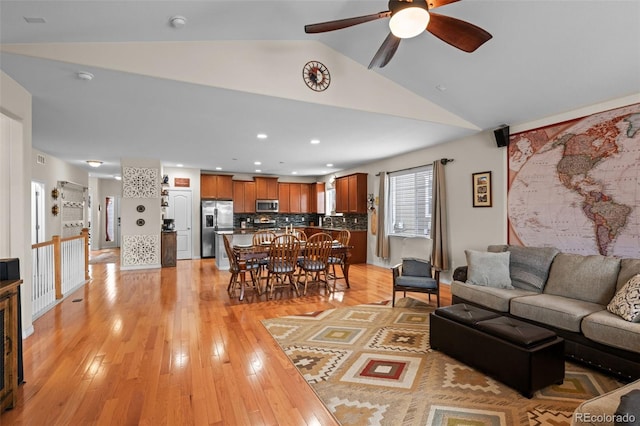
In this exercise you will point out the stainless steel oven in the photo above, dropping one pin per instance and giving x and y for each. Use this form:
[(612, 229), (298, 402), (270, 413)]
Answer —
[(266, 206)]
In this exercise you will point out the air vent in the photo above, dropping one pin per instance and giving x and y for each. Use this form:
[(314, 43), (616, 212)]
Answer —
[(40, 159), (34, 20)]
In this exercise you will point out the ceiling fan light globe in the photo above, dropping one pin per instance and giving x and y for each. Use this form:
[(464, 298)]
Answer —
[(409, 22)]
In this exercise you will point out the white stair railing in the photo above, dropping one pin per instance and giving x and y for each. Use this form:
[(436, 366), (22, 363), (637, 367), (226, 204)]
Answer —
[(60, 266)]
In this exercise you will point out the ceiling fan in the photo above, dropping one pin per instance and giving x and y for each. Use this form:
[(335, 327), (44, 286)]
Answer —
[(408, 19)]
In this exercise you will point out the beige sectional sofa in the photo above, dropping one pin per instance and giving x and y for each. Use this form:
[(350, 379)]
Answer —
[(567, 293)]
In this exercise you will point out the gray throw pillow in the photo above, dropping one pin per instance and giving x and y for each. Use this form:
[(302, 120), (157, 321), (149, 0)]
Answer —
[(626, 302), (488, 269), (529, 266), (628, 412)]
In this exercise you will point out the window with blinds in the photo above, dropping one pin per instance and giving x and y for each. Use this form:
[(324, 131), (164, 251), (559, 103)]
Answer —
[(410, 202)]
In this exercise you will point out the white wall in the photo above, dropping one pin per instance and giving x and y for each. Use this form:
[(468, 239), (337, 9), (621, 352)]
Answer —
[(50, 173), (15, 103), (469, 227)]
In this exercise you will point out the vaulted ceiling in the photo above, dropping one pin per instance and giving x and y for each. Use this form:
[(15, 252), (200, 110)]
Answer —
[(199, 95)]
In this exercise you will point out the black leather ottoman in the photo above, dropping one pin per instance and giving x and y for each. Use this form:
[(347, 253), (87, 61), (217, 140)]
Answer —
[(521, 355)]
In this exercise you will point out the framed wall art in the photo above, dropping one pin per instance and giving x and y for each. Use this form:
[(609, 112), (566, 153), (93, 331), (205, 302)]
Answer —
[(482, 189)]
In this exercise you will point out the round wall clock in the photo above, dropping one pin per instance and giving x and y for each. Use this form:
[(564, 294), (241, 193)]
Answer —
[(316, 76)]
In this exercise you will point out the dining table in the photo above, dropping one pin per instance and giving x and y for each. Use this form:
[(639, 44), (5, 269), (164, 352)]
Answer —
[(247, 254)]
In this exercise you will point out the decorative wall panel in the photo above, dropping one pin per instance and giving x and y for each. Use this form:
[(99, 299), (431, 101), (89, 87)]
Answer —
[(140, 250), (575, 185), (140, 182)]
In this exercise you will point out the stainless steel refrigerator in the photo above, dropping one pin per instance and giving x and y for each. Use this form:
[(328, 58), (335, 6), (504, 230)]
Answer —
[(216, 216)]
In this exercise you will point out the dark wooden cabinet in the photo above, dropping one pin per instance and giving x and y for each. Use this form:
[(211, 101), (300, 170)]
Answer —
[(351, 193), (284, 189), (244, 196), (9, 344), (266, 188), (305, 197), (358, 242), (342, 195), (294, 198), (316, 198), (219, 187), (168, 248)]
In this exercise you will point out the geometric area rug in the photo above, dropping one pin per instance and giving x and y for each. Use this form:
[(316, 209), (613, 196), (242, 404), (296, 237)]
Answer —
[(372, 365)]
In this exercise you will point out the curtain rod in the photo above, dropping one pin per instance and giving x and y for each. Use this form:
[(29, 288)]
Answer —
[(443, 161)]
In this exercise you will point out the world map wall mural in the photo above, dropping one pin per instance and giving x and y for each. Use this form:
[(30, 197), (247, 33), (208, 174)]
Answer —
[(575, 185)]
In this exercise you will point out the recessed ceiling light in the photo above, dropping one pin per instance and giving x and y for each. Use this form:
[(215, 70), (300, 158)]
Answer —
[(329, 164), (258, 171), (294, 173), (261, 135), (257, 163), (178, 21), (117, 177), (218, 168), (179, 165), (94, 163), (83, 75), (315, 141), (34, 20)]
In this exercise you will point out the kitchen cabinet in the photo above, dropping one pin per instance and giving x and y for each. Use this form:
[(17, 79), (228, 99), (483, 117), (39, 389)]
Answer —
[(351, 193), (358, 242), (266, 188), (342, 195), (283, 197), (305, 199), (294, 198), (316, 198), (168, 248), (244, 196), (218, 187), (359, 251)]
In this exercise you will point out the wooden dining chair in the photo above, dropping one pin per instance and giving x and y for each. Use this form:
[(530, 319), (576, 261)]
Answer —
[(315, 260), (236, 267), (344, 236), (261, 238), (283, 256), (300, 235)]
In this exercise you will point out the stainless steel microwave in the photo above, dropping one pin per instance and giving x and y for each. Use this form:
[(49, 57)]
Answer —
[(266, 206)]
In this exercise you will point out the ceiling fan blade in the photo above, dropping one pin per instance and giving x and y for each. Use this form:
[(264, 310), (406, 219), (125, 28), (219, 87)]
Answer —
[(456, 32), (385, 52), (432, 4), (343, 23)]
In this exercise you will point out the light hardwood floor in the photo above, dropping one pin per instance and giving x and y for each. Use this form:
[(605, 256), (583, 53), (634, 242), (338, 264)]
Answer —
[(169, 346)]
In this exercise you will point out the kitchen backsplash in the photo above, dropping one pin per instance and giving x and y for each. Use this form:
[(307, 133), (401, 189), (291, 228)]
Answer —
[(281, 220)]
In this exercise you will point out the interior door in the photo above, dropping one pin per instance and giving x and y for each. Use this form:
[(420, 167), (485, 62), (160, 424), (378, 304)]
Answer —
[(180, 209)]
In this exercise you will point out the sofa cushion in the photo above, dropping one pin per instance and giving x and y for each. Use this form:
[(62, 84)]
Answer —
[(587, 278), (488, 269), (628, 268), (556, 311), (529, 266), (626, 302), (492, 298), (609, 329)]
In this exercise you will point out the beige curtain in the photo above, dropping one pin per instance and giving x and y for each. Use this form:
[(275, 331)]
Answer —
[(382, 239), (439, 235)]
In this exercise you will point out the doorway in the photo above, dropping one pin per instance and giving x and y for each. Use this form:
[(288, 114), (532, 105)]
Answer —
[(180, 209), (111, 222)]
